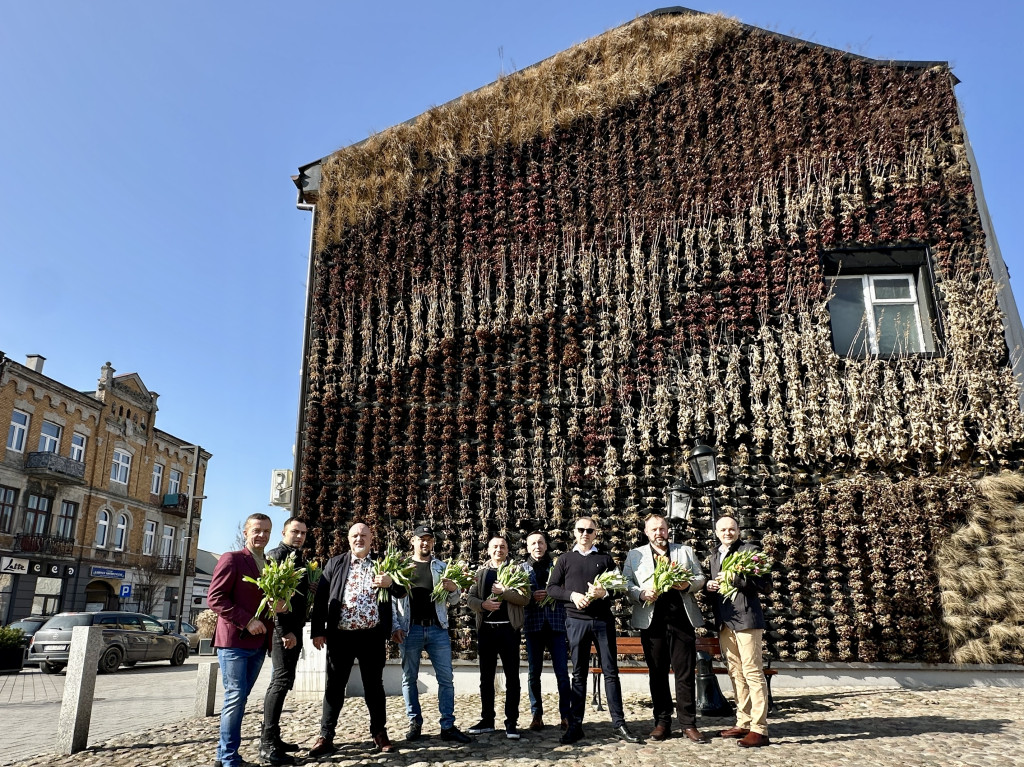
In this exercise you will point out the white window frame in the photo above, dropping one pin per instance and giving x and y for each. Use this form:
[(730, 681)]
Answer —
[(17, 435), (871, 301), (121, 533), (167, 541), (149, 538), (78, 443), (102, 528), (49, 437), (121, 467), (174, 483), (158, 479)]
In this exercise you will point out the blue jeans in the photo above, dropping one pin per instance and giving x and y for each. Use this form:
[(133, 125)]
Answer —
[(555, 643), (238, 670), (437, 643)]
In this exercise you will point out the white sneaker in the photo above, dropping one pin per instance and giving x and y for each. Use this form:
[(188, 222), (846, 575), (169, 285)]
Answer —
[(480, 728), (512, 733)]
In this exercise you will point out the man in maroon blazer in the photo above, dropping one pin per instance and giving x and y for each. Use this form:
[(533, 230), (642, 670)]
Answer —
[(242, 638)]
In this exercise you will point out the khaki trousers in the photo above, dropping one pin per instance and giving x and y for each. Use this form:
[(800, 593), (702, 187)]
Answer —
[(742, 652)]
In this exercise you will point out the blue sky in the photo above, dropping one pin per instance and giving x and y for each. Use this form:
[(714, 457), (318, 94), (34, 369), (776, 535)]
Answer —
[(146, 211)]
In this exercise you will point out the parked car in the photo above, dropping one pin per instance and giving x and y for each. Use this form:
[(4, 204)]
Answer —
[(30, 625), (190, 632), (129, 638)]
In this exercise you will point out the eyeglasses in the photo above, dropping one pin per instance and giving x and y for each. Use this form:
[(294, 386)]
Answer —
[(586, 530)]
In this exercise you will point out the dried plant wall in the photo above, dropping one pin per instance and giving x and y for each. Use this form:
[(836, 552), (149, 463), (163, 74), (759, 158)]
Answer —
[(527, 305)]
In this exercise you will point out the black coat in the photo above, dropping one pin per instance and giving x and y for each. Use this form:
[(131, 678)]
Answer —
[(292, 622), (744, 612)]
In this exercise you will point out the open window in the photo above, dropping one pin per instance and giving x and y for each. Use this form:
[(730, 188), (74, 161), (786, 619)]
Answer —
[(882, 302)]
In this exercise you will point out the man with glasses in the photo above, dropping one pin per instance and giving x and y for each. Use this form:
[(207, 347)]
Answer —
[(286, 646), (421, 624), (589, 621)]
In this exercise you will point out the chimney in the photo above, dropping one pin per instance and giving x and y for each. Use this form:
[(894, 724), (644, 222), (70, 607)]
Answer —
[(35, 362)]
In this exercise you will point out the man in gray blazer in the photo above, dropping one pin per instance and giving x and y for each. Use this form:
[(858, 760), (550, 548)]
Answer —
[(666, 623)]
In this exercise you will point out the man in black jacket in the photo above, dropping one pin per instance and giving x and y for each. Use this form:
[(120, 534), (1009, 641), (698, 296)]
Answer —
[(740, 624), (350, 621), (286, 647), (588, 621)]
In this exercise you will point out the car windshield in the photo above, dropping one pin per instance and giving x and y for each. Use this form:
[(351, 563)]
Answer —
[(69, 621), (26, 625)]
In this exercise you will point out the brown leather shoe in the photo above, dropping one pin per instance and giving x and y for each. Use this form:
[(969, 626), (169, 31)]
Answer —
[(322, 747), (565, 725), (661, 731), (753, 740), (695, 735), (384, 745), (537, 723), (734, 732)]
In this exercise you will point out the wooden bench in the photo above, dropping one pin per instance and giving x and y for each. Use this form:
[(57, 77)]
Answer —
[(631, 650)]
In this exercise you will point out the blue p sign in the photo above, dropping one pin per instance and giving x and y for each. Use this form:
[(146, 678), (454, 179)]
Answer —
[(126, 590)]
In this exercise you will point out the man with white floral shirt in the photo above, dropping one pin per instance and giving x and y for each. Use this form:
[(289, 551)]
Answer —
[(350, 621)]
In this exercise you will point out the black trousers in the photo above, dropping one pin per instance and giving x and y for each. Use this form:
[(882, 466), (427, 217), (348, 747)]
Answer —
[(672, 646), (369, 647), (499, 640), (281, 681), (581, 634)]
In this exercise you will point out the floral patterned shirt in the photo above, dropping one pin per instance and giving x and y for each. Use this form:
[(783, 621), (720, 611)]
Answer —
[(359, 609)]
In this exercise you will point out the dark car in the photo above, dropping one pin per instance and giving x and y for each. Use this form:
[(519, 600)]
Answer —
[(29, 626), (187, 630), (129, 638)]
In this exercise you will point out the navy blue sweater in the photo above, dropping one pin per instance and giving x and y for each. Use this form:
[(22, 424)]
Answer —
[(574, 572)]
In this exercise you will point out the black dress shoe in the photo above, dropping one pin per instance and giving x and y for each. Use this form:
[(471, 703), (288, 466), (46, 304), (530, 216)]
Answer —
[(283, 745), (271, 754), (573, 734), (623, 733), (415, 729), (455, 735)]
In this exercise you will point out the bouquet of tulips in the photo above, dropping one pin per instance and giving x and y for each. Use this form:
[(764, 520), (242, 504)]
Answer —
[(610, 579), (667, 574), (278, 582), (313, 573), (754, 563), (512, 578), (398, 566), (454, 571), (549, 600)]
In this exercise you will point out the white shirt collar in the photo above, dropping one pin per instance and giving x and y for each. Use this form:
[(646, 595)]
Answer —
[(578, 547)]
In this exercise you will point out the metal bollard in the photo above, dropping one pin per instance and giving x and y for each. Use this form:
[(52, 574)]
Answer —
[(206, 688), (710, 701)]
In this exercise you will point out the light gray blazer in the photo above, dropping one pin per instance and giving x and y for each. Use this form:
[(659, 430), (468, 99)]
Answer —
[(637, 573)]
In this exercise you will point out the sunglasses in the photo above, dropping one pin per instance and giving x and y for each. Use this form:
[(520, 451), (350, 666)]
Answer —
[(586, 530)]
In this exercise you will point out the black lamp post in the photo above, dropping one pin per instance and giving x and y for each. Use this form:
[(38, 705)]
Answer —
[(704, 468)]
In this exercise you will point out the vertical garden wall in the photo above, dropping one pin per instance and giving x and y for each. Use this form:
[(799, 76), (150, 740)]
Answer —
[(528, 303)]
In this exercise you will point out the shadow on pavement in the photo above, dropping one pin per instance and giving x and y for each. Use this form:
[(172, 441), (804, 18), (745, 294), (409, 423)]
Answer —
[(873, 727)]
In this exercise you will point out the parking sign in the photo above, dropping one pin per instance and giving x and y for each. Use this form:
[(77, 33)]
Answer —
[(126, 590)]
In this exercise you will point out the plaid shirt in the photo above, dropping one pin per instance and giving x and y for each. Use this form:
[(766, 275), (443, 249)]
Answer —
[(537, 616)]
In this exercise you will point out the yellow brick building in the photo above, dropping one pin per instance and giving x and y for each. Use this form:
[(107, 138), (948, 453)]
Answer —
[(93, 497)]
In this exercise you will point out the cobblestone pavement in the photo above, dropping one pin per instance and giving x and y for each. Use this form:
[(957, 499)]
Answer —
[(824, 727)]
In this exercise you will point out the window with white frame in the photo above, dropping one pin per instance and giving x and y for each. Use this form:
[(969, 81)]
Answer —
[(121, 467), (149, 538), (78, 447), (880, 302), (121, 532), (167, 541), (49, 438), (8, 498), (66, 520), (158, 478), (18, 432), (174, 482), (37, 515), (102, 528)]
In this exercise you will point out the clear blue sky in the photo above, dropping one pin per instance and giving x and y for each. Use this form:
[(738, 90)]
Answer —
[(146, 211)]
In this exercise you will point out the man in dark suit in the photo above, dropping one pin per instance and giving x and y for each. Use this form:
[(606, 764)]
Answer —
[(285, 648), (740, 624), (241, 637), (350, 621)]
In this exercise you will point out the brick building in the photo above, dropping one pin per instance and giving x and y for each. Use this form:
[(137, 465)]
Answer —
[(93, 497)]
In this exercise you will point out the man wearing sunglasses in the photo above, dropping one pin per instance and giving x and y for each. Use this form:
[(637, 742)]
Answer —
[(588, 621)]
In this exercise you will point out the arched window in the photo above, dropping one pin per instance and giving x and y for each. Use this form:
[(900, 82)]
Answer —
[(102, 528), (121, 532)]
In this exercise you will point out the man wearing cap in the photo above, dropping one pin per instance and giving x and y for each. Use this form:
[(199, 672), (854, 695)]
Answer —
[(421, 624)]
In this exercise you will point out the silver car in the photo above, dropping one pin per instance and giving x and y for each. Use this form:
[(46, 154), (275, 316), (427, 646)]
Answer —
[(190, 632)]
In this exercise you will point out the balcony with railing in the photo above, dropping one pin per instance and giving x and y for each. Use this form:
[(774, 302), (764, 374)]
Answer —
[(172, 566), (32, 543), (55, 467), (177, 504)]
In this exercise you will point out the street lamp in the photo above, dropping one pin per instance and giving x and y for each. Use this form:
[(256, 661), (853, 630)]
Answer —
[(679, 501), (703, 465), (193, 481)]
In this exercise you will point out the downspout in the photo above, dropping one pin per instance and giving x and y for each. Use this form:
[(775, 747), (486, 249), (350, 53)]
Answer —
[(300, 420)]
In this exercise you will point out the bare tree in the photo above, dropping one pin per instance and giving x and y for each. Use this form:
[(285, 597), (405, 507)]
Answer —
[(150, 584)]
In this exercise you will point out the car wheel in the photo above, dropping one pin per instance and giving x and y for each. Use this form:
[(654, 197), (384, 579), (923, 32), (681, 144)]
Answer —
[(180, 653), (110, 660), (49, 668)]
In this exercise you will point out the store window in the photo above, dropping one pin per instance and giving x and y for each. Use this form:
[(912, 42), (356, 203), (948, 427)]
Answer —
[(46, 600)]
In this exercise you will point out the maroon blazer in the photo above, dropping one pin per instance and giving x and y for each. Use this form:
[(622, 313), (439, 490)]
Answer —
[(235, 601)]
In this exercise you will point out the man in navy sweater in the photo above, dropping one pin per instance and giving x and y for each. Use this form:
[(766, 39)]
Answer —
[(588, 621)]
